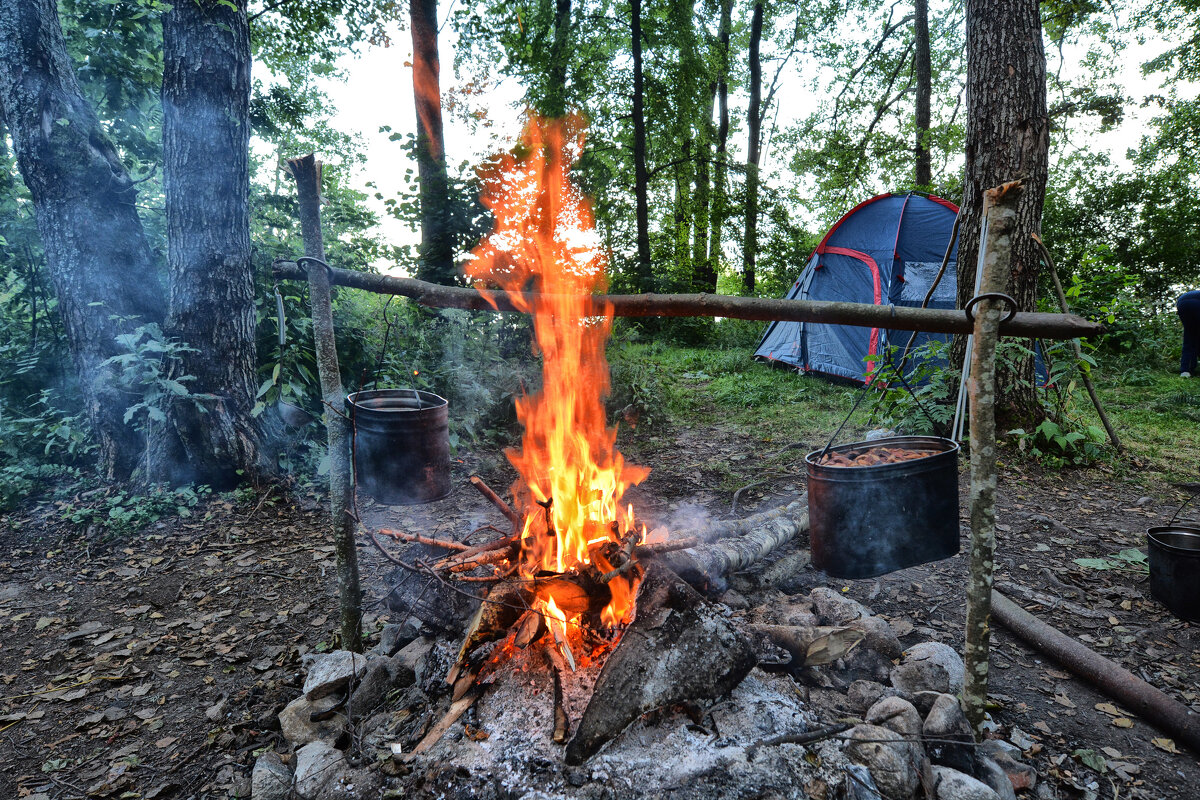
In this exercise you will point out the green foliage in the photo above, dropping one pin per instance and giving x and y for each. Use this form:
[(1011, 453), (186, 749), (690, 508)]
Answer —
[(121, 513), (149, 370), (926, 404), (1128, 560), (1057, 446)]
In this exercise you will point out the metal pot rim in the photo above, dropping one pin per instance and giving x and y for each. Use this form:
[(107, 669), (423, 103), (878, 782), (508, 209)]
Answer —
[(948, 446)]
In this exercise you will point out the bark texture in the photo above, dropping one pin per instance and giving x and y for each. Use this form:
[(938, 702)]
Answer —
[(641, 179), (437, 244), (96, 251), (1007, 138), (923, 174), (754, 124), (307, 171), (560, 56), (1002, 227), (206, 172), (720, 200)]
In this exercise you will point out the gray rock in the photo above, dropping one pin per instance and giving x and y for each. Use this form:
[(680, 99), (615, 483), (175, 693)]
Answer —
[(913, 677), (943, 655), (317, 764), (270, 779), (898, 715), (863, 694), (886, 755), (951, 784), (948, 735), (994, 747), (834, 608), (924, 701), (330, 673), (878, 433), (394, 637), (991, 773), (858, 784), (413, 659), (865, 663), (880, 636), (1021, 775), (297, 726), (372, 688)]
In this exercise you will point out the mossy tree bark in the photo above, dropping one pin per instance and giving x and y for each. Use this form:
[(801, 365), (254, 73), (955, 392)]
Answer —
[(437, 242), (1007, 138), (206, 139), (96, 250)]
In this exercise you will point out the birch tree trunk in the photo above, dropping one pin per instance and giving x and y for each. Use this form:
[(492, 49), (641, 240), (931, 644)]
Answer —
[(1007, 138), (1003, 225), (96, 251), (206, 172)]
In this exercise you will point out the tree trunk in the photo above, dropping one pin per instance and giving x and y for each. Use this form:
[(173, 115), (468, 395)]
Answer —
[(307, 171), (683, 208), (720, 189), (437, 246), (206, 178), (754, 122), (1007, 138), (96, 251), (923, 177), (704, 274), (641, 180), (556, 101)]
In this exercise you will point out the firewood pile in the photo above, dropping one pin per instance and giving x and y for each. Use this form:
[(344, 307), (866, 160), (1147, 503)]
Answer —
[(740, 675), (874, 456)]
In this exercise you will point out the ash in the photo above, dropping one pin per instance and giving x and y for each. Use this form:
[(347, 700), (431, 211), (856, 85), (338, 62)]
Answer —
[(695, 753)]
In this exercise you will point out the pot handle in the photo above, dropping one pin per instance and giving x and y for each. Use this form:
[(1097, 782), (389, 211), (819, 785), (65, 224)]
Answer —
[(1179, 510)]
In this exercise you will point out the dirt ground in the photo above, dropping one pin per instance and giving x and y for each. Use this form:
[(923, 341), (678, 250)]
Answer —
[(153, 666)]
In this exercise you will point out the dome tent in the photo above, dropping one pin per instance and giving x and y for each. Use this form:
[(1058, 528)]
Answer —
[(886, 251)]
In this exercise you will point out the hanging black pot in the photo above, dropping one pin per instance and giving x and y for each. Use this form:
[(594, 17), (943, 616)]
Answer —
[(401, 445), (866, 521)]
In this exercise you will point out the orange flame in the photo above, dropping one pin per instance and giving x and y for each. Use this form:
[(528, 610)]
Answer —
[(572, 478)]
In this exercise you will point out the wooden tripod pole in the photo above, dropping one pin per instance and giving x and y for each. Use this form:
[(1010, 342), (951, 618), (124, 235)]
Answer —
[(1000, 214), (307, 171), (1087, 378)]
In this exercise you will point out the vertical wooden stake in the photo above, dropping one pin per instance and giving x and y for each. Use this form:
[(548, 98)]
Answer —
[(1000, 212), (307, 171)]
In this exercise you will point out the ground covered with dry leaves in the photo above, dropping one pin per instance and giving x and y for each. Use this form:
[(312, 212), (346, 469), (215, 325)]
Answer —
[(153, 665)]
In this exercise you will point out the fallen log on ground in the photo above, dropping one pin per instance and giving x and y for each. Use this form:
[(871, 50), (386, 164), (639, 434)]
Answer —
[(1132, 692), (701, 565), (1023, 324)]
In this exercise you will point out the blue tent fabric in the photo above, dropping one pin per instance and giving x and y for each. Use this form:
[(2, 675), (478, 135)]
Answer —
[(886, 250)]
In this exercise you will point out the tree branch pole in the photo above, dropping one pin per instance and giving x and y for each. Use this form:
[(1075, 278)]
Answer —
[(1000, 223), (1130, 691), (307, 171), (930, 320), (1083, 372)]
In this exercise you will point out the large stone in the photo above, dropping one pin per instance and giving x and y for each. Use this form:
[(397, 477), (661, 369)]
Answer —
[(394, 637), (898, 715), (863, 694), (942, 654), (834, 608), (950, 784), (416, 658), (298, 727), (886, 755), (991, 773), (331, 673), (372, 688), (270, 779), (913, 677), (1021, 775), (858, 784), (879, 636), (948, 735), (317, 764)]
